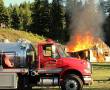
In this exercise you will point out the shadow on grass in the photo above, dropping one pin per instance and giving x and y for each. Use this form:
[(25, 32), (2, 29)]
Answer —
[(101, 64), (96, 89), (83, 89), (60, 89)]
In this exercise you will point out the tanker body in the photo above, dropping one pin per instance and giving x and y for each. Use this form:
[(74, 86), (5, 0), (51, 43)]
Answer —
[(23, 65)]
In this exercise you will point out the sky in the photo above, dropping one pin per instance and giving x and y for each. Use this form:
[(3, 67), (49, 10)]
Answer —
[(13, 2), (8, 2)]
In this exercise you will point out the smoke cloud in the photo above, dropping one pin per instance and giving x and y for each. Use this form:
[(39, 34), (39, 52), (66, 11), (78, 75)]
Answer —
[(88, 18)]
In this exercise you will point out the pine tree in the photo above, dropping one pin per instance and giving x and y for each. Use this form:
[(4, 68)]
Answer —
[(106, 26), (6, 17), (3, 13), (25, 16), (45, 18), (56, 24), (15, 20), (35, 27), (40, 17)]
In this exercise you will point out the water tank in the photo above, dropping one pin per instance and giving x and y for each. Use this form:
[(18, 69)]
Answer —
[(18, 53)]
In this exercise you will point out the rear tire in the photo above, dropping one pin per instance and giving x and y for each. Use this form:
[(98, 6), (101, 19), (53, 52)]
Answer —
[(72, 82), (23, 83)]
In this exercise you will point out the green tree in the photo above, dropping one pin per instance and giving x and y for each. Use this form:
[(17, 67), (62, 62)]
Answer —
[(20, 16), (56, 23), (40, 17), (45, 18), (15, 20), (3, 13), (9, 12), (106, 28), (35, 27), (25, 16), (105, 5)]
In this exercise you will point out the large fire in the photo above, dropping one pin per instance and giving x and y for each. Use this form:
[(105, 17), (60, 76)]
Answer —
[(81, 42)]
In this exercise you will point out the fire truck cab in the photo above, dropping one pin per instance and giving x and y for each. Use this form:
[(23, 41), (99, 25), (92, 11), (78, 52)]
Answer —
[(23, 65)]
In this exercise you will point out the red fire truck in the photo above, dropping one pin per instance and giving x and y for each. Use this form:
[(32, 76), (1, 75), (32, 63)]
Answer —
[(24, 65)]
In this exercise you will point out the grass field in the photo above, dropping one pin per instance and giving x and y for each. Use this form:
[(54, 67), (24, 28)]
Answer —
[(101, 77), (13, 35)]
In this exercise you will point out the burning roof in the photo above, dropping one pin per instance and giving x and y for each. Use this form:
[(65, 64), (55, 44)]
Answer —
[(81, 42)]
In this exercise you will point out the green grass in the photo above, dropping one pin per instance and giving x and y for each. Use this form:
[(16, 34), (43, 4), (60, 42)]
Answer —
[(101, 77), (101, 71), (14, 35)]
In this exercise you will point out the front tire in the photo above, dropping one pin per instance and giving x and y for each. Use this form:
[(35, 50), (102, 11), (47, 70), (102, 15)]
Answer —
[(72, 82)]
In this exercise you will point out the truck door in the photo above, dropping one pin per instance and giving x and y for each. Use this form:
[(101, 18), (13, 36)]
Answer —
[(50, 56)]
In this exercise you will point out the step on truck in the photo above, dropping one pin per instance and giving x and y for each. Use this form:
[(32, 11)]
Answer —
[(24, 65)]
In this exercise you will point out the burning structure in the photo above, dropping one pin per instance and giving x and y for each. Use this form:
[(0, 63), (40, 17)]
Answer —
[(86, 39), (100, 52)]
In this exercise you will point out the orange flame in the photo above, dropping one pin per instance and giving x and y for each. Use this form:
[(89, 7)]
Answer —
[(81, 42)]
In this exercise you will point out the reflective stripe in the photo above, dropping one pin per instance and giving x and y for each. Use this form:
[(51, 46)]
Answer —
[(50, 70), (13, 70)]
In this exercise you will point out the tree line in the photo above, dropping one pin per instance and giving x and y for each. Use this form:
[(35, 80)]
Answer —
[(14, 16), (42, 17)]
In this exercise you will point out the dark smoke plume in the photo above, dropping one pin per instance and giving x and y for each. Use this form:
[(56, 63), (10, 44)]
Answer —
[(88, 18)]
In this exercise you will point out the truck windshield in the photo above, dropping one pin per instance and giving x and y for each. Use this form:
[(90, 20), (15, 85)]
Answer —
[(62, 51)]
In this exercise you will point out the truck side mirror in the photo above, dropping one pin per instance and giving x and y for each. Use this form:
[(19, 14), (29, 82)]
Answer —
[(53, 49), (53, 55), (54, 52)]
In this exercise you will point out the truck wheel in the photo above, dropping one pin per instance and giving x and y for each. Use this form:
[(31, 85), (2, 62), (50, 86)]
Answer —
[(23, 83), (72, 82)]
